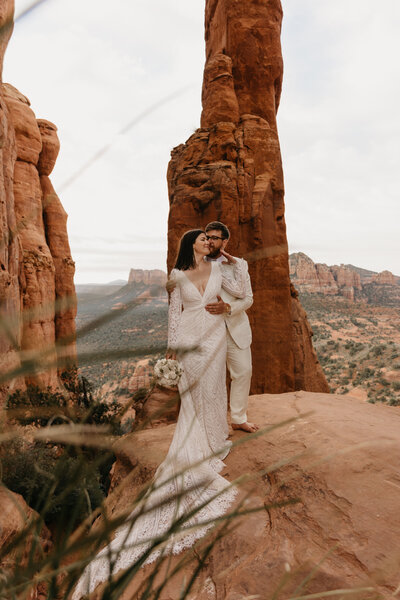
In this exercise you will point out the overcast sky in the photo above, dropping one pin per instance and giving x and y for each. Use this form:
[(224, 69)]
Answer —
[(93, 66)]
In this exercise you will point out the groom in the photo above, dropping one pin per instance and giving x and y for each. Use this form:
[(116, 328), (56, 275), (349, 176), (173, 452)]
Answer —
[(238, 332)]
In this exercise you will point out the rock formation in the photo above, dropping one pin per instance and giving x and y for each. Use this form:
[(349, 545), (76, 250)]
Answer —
[(319, 278), (385, 278), (151, 277), (345, 281), (10, 297), (141, 377), (231, 170), (348, 281), (37, 293), (343, 522), (311, 277), (15, 516)]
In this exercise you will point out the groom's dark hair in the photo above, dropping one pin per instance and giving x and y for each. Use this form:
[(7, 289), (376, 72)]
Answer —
[(218, 226)]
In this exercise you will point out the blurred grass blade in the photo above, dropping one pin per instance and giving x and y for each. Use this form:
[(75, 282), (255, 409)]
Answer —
[(344, 592)]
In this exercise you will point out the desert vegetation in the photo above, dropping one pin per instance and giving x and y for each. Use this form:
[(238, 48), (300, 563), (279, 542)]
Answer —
[(358, 346), (143, 322)]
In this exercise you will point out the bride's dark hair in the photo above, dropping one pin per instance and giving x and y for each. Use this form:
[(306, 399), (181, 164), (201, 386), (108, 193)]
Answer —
[(185, 257)]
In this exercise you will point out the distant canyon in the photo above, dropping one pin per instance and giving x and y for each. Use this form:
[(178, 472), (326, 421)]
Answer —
[(346, 281)]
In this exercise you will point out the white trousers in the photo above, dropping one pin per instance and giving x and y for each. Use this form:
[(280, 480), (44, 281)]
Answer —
[(238, 361)]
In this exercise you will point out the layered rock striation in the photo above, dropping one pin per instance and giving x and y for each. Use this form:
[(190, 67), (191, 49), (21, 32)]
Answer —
[(37, 294), (344, 281), (231, 170), (317, 277)]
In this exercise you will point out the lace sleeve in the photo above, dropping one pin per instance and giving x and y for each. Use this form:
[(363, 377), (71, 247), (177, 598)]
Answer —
[(174, 312), (234, 280)]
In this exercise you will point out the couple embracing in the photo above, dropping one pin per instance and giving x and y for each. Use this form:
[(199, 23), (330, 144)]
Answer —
[(207, 330), (198, 252)]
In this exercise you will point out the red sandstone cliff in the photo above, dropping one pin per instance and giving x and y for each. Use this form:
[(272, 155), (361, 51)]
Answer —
[(310, 276), (346, 281), (231, 170), (317, 277), (38, 303), (385, 278)]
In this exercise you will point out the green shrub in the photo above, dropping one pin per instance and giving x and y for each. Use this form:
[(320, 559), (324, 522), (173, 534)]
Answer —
[(35, 406), (378, 350), (42, 408), (61, 487), (366, 373), (60, 481), (394, 402)]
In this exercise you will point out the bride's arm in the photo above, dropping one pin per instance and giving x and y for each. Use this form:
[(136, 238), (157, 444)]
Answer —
[(236, 285), (174, 316)]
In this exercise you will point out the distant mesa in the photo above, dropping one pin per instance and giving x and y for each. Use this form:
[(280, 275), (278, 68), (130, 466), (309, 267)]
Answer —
[(385, 278), (150, 277), (347, 281)]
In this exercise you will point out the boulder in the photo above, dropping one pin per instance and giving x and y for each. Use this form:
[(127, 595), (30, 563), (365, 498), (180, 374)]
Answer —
[(50, 147), (15, 515), (27, 134)]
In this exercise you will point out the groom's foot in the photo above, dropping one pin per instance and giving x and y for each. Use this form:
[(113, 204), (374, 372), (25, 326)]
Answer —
[(246, 426)]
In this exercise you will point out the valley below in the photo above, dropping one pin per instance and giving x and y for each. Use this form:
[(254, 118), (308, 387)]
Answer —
[(357, 342)]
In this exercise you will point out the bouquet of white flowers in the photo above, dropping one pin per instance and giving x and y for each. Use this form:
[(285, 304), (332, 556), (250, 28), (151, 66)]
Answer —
[(167, 372)]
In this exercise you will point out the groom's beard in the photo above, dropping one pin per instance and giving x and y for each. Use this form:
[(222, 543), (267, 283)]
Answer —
[(213, 253)]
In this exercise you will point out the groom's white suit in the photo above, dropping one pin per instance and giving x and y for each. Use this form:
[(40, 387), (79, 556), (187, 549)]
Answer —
[(238, 336)]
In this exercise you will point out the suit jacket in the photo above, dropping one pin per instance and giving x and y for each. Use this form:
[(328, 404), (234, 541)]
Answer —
[(238, 322)]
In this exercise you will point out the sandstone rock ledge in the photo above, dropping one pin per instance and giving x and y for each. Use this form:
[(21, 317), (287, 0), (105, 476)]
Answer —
[(340, 458)]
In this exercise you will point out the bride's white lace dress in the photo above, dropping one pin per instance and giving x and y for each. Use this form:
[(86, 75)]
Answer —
[(186, 485)]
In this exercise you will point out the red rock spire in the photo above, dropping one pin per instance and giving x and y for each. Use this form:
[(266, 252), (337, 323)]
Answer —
[(37, 294), (231, 170)]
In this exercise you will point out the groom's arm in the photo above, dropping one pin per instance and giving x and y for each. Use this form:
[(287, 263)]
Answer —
[(239, 304), (236, 305)]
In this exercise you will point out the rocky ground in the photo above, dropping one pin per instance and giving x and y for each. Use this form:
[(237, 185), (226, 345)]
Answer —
[(321, 497), (335, 460)]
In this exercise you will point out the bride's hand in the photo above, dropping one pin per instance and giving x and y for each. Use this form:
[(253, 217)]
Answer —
[(229, 259), (170, 285), (170, 355)]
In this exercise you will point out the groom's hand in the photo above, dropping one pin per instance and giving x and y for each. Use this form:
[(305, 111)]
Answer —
[(230, 260), (218, 308)]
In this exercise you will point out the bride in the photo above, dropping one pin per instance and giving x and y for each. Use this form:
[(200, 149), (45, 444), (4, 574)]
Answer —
[(187, 494)]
